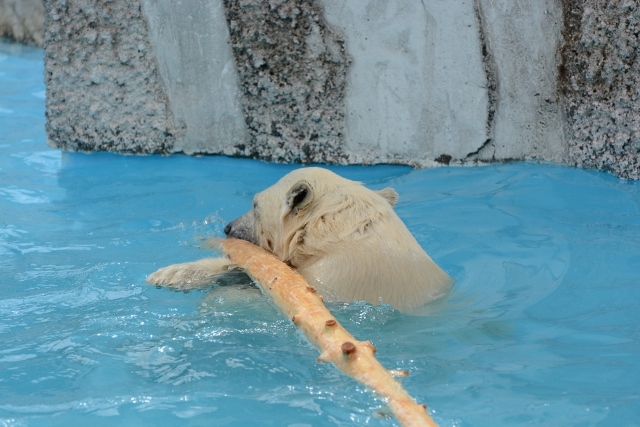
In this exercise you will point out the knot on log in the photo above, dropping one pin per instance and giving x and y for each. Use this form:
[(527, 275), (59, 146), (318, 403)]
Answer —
[(348, 348)]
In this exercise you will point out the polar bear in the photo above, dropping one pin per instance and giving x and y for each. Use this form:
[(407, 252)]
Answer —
[(343, 238)]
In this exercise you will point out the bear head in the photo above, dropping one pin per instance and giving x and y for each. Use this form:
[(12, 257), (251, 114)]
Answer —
[(307, 211)]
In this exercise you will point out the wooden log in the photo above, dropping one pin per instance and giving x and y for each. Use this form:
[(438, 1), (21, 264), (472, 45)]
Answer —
[(301, 303)]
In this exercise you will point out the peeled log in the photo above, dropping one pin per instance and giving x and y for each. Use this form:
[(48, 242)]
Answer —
[(300, 303)]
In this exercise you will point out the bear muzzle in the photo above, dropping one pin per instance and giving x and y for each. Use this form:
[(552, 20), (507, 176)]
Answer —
[(238, 229)]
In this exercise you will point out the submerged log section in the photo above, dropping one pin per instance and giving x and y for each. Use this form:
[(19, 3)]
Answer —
[(300, 302)]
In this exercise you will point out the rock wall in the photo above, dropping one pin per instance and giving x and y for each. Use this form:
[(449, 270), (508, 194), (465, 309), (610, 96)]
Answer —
[(416, 87), (383, 81), (103, 88), (22, 20), (600, 81), (521, 39), (292, 72), (198, 74)]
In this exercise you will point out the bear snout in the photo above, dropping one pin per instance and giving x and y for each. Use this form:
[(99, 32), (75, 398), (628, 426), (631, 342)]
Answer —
[(238, 229)]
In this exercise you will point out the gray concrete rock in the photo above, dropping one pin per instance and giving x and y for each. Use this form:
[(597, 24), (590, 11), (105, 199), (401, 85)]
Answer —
[(22, 20), (103, 88), (600, 78), (408, 82), (521, 39), (416, 88), (292, 68), (199, 76)]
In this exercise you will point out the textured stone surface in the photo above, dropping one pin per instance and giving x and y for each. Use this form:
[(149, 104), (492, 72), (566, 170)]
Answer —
[(198, 71), (600, 77), (103, 89), (22, 20), (292, 70), (521, 38), (415, 82), (416, 88)]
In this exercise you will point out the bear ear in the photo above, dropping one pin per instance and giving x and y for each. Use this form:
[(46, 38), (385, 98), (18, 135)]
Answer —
[(390, 195), (299, 196)]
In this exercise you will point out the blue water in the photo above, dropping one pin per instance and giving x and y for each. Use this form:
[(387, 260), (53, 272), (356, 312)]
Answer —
[(543, 326)]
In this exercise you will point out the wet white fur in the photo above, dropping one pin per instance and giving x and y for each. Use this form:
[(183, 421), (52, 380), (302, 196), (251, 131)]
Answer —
[(340, 236)]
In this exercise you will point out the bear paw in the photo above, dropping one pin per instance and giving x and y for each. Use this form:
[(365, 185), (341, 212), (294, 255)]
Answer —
[(190, 275)]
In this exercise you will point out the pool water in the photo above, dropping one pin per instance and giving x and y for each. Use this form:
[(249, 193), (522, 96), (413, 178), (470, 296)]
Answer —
[(542, 327)]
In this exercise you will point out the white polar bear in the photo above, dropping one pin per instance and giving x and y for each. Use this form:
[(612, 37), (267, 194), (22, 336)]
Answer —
[(343, 238)]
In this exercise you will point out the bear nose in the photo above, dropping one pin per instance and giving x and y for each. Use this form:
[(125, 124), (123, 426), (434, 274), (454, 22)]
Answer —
[(227, 229)]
